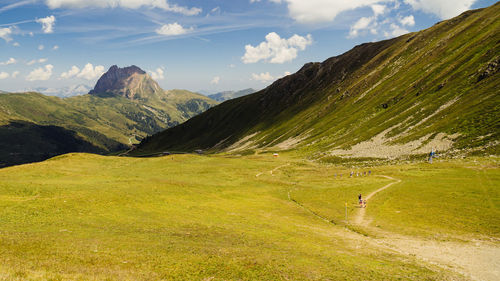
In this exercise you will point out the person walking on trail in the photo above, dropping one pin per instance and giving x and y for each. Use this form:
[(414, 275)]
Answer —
[(360, 200)]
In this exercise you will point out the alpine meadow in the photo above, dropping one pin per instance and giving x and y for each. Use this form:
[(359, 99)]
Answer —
[(379, 163)]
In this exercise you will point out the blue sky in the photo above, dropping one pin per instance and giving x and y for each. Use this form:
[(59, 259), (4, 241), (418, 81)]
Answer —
[(209, 45)]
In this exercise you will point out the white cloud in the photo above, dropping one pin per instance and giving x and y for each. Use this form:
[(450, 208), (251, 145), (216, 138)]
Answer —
[(129, 4), (158, 74), (41, 47), (14, 74), (378, 9), (41, 73), (55, 48), (90, 72), (172, 29), (70, 73), (47, 24), (31, 62), (15, 44), (9, 61), (5, 34), (232, 66), (315, 11), (442, 8), (409, 20), (215, 80), (397, 30), (361, 24), (276, 49), (4, 75), (263, 77)]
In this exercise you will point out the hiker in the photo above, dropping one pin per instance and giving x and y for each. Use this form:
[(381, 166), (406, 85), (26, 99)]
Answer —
[(352, 173), (369, 172), (364, 203), (360, 200)]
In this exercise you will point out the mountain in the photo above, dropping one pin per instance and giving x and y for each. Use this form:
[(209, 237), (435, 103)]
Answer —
[(437, 88), (3, 92), (69, 91), (227, 95), (129, 82), (125, 106)]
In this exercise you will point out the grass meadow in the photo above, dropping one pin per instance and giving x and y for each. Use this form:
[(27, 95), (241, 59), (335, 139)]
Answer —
[(187, 217)]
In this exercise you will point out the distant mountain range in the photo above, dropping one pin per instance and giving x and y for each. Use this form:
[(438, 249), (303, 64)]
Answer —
[(434, 89), (228, 95), (125, 106), (64, 92)]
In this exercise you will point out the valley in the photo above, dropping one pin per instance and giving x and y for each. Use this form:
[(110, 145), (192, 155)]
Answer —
[(379, 163), (225, 217)]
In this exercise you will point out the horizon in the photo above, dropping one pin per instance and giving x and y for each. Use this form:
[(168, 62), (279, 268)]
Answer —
[(205, 47)]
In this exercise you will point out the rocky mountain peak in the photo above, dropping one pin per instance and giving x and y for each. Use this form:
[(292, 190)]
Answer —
[(131, 82)]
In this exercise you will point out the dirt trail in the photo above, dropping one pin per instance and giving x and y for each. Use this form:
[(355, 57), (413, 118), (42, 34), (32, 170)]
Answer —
[(358, 219), (476, 260)]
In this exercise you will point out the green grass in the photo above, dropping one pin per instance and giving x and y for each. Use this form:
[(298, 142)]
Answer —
[(450, 199), (185, 217), (105, 124), (388, 85)]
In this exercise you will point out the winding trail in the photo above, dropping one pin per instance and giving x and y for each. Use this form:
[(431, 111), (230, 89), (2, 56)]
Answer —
[(359, 218), (475, 259)]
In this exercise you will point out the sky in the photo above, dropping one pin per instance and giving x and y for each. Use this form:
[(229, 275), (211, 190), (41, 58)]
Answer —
[(199, 45)]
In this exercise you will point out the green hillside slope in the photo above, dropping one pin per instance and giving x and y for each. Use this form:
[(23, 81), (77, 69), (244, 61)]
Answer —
[(437, 88), (98, 123)]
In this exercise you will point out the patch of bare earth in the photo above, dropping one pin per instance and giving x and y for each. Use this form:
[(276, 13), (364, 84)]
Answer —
[(477, 260)]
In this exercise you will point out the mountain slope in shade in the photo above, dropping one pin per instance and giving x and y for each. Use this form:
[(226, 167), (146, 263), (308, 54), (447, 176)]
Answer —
[(125, 106), (437, 88), (227, 95)]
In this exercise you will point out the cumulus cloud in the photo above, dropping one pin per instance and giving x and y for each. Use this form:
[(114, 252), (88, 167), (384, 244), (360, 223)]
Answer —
[(47, 24), (158, 74), (5, 34), (55, 48), (397, 30), (70, 73), (129, 4), (444, 9), (31, 62), (41, 73), (15, 74), (15, 44), (215, 80), (315, 11), (276, 49), (263, 77), (266, 77), (409, 20), (361, 24), (41, 47), (90, 72), (172, 29), (4, 75), (9, 61)]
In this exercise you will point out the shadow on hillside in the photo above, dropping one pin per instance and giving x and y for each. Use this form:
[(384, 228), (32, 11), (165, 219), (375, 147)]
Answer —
[(25, 142)]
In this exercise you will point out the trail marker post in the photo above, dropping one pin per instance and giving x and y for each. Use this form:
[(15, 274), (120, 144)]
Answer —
[(346, 221)]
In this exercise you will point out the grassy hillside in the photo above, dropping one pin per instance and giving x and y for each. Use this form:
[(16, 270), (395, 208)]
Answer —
[(106, 123), (185, 217), (437, 88)]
